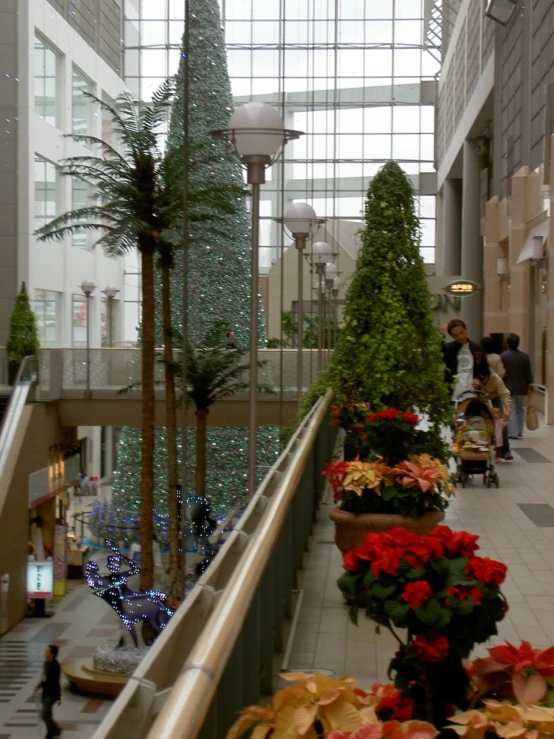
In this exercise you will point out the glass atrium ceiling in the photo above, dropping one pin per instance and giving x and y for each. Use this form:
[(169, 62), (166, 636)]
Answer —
[(348, 72)]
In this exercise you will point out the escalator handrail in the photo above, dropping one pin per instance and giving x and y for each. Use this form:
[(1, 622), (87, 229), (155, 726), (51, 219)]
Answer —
[(26, 376)]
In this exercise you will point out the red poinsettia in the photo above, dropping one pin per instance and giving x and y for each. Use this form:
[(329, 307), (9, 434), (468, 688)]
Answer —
[(456, 543), (464, 592), (417, 594), (391, 414), (523, 657), (431, 647), (486, 571), (336, 472), (519, 673), (388, 563), (395, 707)]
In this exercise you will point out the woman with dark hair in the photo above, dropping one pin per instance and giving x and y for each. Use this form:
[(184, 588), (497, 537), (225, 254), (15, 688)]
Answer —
[(494, 359), (487, 380)]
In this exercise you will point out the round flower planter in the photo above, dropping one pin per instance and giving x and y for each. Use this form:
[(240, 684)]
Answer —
[(351, 529)]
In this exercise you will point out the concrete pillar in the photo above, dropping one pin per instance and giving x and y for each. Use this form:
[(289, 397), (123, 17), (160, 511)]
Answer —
[(108, 452), (451, 227), (472, 241)]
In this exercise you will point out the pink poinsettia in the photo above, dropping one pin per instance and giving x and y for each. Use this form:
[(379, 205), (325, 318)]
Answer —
[(412, 475)]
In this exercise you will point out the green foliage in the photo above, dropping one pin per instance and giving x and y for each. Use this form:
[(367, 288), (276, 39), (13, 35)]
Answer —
[(289, 326), (389, 351), (22, 335), (215, 372)]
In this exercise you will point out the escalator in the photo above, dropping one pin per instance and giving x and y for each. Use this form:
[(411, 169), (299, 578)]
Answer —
[(4, 401), (11, 408)]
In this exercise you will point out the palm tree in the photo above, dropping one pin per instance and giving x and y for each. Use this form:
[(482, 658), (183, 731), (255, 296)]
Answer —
[(138, 207), (212, 197), (166, 263), (213, 373)]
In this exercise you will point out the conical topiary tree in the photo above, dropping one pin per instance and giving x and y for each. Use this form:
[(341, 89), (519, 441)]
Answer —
[(389, 351), (22, 334)]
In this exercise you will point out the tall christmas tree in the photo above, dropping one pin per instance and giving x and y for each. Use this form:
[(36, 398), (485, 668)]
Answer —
[(218, 272)]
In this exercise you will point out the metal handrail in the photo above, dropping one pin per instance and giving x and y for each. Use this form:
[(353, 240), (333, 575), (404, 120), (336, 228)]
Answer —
[(188, 704), (26, 376)]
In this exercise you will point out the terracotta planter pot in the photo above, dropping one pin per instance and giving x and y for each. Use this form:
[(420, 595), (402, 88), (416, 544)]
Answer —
[(351, 529)]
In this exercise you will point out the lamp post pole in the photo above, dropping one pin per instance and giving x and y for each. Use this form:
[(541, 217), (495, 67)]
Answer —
[(322, 255), (110, 293), (257, 132), (88, 288), (256, 177), (301, 221), (335, 294), (320, 270), (331, 273)]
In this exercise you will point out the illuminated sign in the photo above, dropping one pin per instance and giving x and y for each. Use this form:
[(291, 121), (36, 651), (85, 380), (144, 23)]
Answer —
[(40, 579), (462, 287)]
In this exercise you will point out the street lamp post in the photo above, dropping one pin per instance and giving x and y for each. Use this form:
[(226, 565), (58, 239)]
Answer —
[(257, 132), (322, 254), (110, 293), (331, 272), (88, 288), (337, 282), (301, 221)]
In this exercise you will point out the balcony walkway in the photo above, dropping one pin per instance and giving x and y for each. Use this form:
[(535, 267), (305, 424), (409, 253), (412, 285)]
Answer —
[(516, 525)]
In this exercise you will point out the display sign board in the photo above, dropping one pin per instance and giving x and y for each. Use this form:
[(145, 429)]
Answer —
[(59, 559), (40, 579), (461, 288)]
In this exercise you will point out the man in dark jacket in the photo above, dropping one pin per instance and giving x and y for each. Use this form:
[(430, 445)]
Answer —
[(458, 357), (51, 691), (518, 378)]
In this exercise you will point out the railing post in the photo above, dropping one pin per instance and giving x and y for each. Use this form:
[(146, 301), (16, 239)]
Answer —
[(251, 654), (230, 690), (280, 586), (267, 627)]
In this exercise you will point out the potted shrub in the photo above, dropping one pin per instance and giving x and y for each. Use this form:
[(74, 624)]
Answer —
[(395, 484), (389, 350), (442, 595), (22, 334)]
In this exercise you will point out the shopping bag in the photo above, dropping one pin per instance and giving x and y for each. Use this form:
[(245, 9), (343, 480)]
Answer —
[(531, 418)]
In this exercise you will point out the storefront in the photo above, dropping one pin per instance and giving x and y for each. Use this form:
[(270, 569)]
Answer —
[(517, 244), (48, 500)]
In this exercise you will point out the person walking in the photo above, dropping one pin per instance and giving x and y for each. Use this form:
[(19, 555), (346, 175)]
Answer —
[(51, 691), (458, 357), (497, 366), (518, 379)]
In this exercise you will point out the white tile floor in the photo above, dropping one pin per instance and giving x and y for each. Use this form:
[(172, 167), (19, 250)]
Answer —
[(81, 623), (326, 638)]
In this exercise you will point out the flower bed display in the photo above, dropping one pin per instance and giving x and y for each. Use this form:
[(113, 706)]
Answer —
[(315, 705), (444, 597), (395, 483), (439, 599), (412, 487)]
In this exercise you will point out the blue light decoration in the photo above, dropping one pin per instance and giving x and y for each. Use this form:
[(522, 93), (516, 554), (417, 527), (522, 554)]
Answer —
[(131, 607)]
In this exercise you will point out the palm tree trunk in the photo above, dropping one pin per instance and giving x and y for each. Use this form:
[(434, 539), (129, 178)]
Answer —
[(201, 433), (171, 436), (148, 418)]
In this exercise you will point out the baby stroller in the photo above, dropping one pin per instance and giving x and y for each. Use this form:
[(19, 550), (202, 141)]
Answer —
[(474, 444)]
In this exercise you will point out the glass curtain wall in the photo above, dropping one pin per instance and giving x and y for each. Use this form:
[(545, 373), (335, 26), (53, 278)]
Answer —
[(347, 72)]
